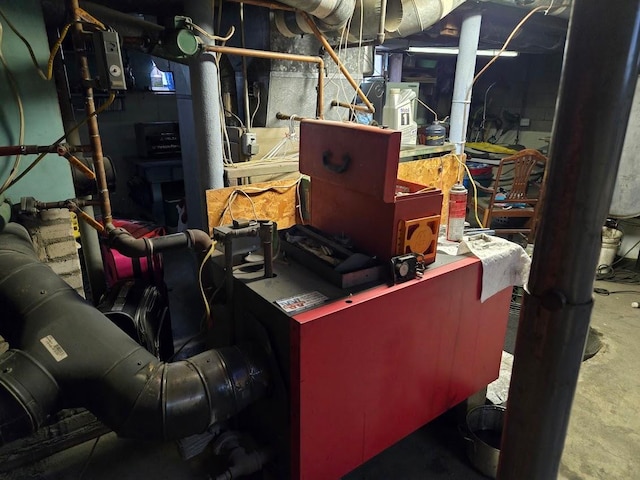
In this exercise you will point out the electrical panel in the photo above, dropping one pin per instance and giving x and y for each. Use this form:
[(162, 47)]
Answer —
[(109, 61)]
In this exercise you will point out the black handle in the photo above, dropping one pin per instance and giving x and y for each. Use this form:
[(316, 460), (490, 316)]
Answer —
[(333, 167)]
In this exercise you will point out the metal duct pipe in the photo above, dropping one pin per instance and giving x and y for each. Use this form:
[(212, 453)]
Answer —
[(372, 12), (65, 353), (402, 17), (418, 15), (332, 16)]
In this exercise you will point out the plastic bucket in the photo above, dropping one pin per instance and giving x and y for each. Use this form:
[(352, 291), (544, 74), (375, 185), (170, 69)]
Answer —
[(611, 240), (483, 436)]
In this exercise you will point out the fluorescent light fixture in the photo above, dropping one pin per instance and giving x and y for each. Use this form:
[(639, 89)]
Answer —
[(454, 51)]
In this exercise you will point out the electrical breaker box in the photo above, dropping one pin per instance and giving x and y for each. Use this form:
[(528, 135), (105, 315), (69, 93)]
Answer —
[(109, 61)]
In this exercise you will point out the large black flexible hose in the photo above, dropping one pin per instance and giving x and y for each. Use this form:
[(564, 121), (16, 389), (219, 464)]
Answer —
[(66, 353)]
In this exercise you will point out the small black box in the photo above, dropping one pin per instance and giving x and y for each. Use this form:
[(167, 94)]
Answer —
[(158, 139)]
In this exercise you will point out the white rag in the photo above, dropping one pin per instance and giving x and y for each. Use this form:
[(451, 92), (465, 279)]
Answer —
[(504, 263)]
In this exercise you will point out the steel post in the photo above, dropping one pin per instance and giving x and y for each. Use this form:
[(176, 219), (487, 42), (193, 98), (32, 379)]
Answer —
[(599, 75), (465, 68)]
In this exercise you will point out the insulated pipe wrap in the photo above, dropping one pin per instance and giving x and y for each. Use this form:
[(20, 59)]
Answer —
[(66, 343)]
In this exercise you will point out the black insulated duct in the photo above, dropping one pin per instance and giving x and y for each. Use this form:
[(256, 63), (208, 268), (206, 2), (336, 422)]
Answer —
[(65, 353)]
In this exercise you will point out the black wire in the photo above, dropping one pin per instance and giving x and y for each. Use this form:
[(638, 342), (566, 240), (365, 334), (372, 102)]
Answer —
[(86, 463), (189, 340), (202, 328), (605, 292), (618, 275)]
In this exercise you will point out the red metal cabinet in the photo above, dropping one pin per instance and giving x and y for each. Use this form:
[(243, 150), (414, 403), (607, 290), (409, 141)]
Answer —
[(354, 184), (369, 370)]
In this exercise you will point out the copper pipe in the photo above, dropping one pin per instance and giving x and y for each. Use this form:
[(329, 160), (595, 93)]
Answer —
[(85, 217), (92, 122), (269, 5), (285, 116), (246, 52), (336, 59), (63, 151), (87, 17), (351, 106)]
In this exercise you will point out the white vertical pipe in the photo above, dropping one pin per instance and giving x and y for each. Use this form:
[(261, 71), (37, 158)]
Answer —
[(207, 124), (465, 69)]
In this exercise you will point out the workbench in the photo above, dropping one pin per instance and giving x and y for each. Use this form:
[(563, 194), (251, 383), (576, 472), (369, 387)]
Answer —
[(368, 365)]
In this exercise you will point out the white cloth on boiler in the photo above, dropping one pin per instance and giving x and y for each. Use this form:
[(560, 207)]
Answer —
[(504, 263)]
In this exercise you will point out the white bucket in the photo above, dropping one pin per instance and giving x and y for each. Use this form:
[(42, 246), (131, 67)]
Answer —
[(611, 239)]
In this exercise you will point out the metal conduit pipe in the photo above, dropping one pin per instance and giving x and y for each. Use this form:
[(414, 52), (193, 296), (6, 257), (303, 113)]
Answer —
[(65, 353)]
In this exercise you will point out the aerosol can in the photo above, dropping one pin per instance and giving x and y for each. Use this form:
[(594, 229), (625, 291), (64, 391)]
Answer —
[(457, 212)]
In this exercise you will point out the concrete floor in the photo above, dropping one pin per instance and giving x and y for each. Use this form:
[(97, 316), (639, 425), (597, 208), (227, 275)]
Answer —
[(604, 430), (603, 441)]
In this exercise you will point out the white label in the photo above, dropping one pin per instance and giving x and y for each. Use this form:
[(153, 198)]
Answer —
[(54, 348), (301, 302)]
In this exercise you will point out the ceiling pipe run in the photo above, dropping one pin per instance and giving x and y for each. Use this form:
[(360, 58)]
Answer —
[(65, 353)]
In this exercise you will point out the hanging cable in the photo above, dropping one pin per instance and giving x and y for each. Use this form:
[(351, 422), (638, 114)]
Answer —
[(48, 75), (253, 115), (475, 189), (210, 36), (207, 256), (515, 30), (26, 44), (16, 93)]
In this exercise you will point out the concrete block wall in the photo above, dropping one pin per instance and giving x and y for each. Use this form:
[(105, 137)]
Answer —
[(52, 235)]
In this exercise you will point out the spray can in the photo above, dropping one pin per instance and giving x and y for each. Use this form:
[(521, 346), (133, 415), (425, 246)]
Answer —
[(457, 212)]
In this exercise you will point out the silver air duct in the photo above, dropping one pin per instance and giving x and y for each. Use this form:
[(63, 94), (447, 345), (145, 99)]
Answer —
[(402, 17), (331, 16)]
